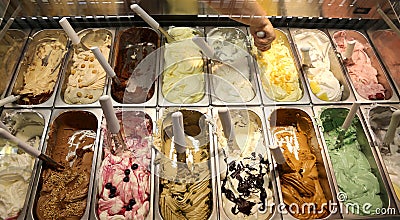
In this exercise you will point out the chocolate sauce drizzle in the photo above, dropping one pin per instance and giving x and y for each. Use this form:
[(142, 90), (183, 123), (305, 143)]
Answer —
[(249, 184)]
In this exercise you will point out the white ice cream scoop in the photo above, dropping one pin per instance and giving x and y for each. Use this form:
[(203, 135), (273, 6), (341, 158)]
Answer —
[(106, 66), (9, 99), (205, 48), (150, 21), (306, 58), (228, 128), (30, 150), (389, 136), (71, 33), (112, 123), (347, 122)]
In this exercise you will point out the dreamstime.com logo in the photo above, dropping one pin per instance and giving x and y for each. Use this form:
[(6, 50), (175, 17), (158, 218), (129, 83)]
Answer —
[(342, 207)]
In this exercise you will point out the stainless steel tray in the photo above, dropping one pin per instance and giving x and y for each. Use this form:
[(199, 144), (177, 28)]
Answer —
[(219, 157), (37, 38), (389, 44), (151, 112), (366, 111), (335, 68), (160, 131), (390, 93), (247, 66), (365, 145), (45, 115), (205, 100), (150, 64), (283, 33), (272, 118), (59, 101), (97, 113), (11, 49)]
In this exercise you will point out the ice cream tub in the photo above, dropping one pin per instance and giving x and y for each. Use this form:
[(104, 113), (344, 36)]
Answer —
[(183, 72), (233, 79), (325, 78), (37, 77), (360, 184), (71, 140), (137, 126), (84, 79), (245, 176), (11, 49), (385, 43), (304, 182), (136, 63), (279, 73), (17, 168), (378, 117), (185, 189), (364, 71)]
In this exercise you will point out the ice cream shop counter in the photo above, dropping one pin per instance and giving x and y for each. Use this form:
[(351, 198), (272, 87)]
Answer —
[(109, 114)]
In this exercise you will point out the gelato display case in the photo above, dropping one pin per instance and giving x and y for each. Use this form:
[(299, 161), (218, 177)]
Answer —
[(207, 125)]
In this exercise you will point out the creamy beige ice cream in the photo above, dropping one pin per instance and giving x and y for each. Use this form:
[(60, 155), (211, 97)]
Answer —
[(185, 193), (322, 81), (279, 76), (11, 46), (86, 78), (183, 78), (231, 76), (39, 80), (246, 187), (15, 165)]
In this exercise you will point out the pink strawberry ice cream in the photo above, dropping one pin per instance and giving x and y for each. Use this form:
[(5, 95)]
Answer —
[(362, 73), (124, 179)]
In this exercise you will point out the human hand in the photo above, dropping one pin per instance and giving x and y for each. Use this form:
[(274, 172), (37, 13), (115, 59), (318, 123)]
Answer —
[(263, 43)]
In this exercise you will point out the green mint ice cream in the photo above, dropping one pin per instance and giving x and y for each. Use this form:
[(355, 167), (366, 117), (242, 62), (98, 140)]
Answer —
[(351, 166)]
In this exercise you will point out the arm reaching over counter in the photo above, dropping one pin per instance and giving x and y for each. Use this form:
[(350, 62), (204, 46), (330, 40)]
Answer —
[(250, 13)]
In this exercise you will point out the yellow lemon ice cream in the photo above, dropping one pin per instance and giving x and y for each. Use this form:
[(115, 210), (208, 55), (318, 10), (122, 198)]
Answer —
[(279, 76)]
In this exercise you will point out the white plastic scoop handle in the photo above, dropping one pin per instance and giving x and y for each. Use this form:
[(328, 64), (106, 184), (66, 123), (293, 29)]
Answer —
[(146, 17), (349, 49), (350, 116), (9, 99), (178, 131), (70, 31), (277, 154), (24, 146), (108, 111), (103, 62), (203, 45), (305, 53), (227, 126), (394, 123)]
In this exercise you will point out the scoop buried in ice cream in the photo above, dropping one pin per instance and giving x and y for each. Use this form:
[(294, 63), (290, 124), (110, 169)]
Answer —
[(71, 142), (133, 46), (85, 77), (124, 179), (386, 43), (187, 195), (246, 186), (322, 80), (183, 77), (278, 73), (301, 180), (350, 161), (39, 79), (379, 118), (362, 73), (15, 165)]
